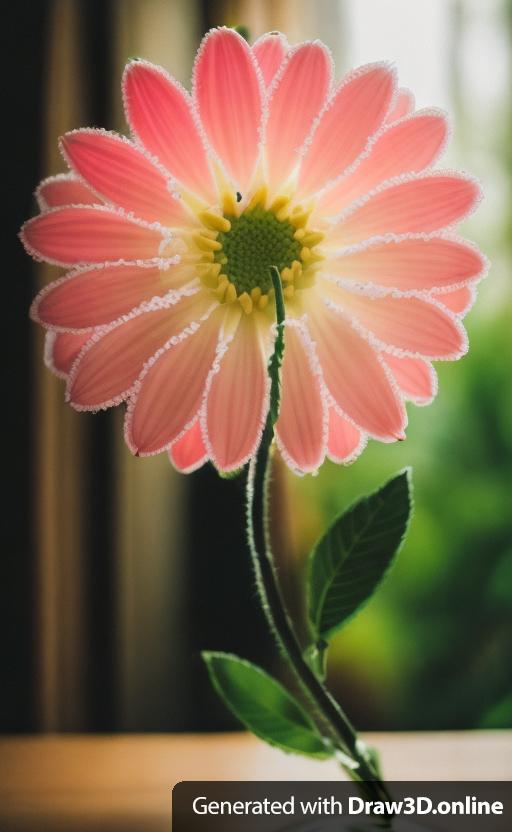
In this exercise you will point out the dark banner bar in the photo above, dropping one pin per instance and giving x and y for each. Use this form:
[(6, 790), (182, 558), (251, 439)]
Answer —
[(332, 806)]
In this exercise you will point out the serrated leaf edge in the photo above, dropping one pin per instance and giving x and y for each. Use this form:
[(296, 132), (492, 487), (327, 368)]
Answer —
[(317, 635)]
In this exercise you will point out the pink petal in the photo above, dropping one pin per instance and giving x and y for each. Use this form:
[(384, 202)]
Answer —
[(237, 400), (229, 99), (270, 51), (404, 104), (98, 295), (419, 204), (110, 366), (296, 98), (355, 376), (459, 301), (406, 147), (170, 390), (352, 116), (121, 173), (64, 189), (62, 349), (159, 113), (416, 378), (410, 263), (70, 235), (189, 453), (406, 323), (301, 425), (344, 439)]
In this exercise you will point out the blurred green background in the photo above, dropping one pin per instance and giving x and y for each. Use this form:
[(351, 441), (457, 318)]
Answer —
[(118, 571)]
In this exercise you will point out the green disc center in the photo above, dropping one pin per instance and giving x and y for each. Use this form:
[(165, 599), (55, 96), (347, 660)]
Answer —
[(256, 241)]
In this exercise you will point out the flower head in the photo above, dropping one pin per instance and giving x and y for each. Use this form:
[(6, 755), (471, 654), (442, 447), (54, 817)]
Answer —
[(170, 237)]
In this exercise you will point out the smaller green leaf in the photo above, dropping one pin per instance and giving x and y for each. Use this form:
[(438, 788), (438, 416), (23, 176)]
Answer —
[(352, 557), (264, 706)]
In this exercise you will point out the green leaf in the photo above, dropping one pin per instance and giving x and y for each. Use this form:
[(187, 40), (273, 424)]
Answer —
[(352, 557), (264, 706)]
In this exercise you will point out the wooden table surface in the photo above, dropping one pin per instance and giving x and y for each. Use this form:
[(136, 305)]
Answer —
[(84, 783)]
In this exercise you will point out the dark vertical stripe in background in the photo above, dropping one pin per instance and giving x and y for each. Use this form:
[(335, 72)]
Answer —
[(96, 39), (23, 24), (223, 609)]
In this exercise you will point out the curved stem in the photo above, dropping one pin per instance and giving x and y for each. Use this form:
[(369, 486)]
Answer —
[(340, 729)]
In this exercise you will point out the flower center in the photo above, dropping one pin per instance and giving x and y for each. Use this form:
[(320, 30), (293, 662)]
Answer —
[(256, 241), (236, 250)]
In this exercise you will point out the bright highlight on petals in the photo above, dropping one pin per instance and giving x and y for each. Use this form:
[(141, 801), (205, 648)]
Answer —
[(169, 237)]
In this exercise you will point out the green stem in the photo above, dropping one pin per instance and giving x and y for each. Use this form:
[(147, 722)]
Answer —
[(342, 733)]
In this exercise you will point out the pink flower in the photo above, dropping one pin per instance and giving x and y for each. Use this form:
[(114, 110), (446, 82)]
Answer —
[(170, 236)]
